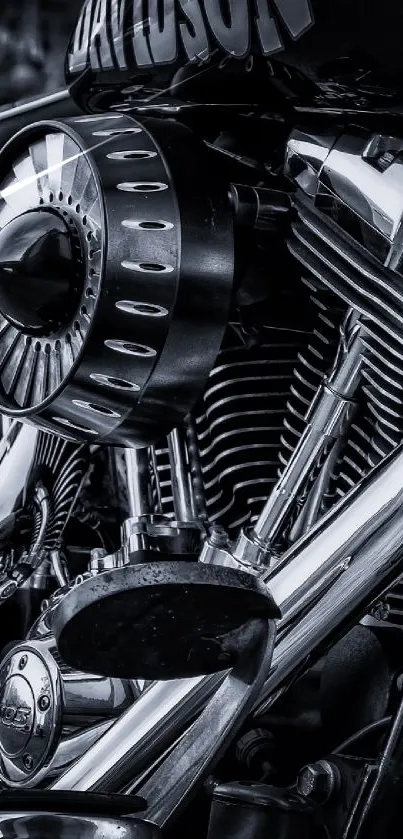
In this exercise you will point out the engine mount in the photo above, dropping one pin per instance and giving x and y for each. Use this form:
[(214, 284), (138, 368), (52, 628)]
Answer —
[(116, 269)]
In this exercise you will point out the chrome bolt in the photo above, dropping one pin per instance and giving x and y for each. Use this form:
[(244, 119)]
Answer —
[(22, 662), (43, 702), (28, 762)]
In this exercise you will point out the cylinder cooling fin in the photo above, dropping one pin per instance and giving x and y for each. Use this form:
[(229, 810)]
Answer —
[(116, 270)]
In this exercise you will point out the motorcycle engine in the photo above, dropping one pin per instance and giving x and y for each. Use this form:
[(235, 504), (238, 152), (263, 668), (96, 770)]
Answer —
[(135, 300)]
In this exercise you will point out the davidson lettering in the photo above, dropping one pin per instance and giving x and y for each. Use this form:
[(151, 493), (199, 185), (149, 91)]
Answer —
[(115, 34)]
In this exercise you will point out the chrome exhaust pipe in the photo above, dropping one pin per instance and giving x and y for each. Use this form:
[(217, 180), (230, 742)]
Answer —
[(328, 578)]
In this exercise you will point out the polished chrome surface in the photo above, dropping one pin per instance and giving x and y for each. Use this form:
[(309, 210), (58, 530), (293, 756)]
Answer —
[(59, 567), (17, 452), (195, 469), (323, 574), (359, 172), (302, 573), (42, 503), (196, 754), (182, 490), (139, 491), (361, 578), (365, 172), (146, 529), (159, 533), (305, 156), (75, 744), (30, 105), (49, 714), (328, 416), (102, 561), (140, 735), (37, 271), (30, 714), (311, 509)]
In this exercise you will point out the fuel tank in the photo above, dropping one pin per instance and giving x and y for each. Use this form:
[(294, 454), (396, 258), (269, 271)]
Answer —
[(152, 47)]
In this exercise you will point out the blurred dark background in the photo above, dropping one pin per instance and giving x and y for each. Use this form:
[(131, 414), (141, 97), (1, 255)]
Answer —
[(33, 38)]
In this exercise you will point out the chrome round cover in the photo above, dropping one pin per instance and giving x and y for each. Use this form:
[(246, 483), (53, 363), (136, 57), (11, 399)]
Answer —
[(30, 713), (50, 714)]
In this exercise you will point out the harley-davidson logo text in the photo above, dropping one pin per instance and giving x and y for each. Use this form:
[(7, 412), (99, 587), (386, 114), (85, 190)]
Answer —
[(122, 34)]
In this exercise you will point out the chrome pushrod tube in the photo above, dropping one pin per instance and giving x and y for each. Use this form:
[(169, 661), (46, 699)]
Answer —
[(183, 500), (326, 560), (330, 413), (138, 481)]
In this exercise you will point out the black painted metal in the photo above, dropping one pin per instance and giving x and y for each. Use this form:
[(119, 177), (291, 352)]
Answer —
[(38, 280), (160, 620)]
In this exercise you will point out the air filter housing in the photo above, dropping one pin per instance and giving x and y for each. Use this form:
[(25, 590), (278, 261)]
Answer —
[(116, 268)]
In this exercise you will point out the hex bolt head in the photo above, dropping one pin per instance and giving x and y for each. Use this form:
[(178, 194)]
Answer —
[(28, 762), (43, 702), (317, 781), (380, 611), (22, 662)]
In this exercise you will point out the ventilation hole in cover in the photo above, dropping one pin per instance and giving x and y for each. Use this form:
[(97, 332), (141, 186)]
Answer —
[(130, 348), (153, 266), (141, 187), (136, 308), (74, 426), (112, 381), (155, 225), (131, 155), (98, 409)]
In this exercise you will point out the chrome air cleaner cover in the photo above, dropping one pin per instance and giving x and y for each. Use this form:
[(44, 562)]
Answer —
[(116, 267)]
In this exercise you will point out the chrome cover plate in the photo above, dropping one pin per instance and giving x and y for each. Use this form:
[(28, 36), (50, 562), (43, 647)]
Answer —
[(30, 713)]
